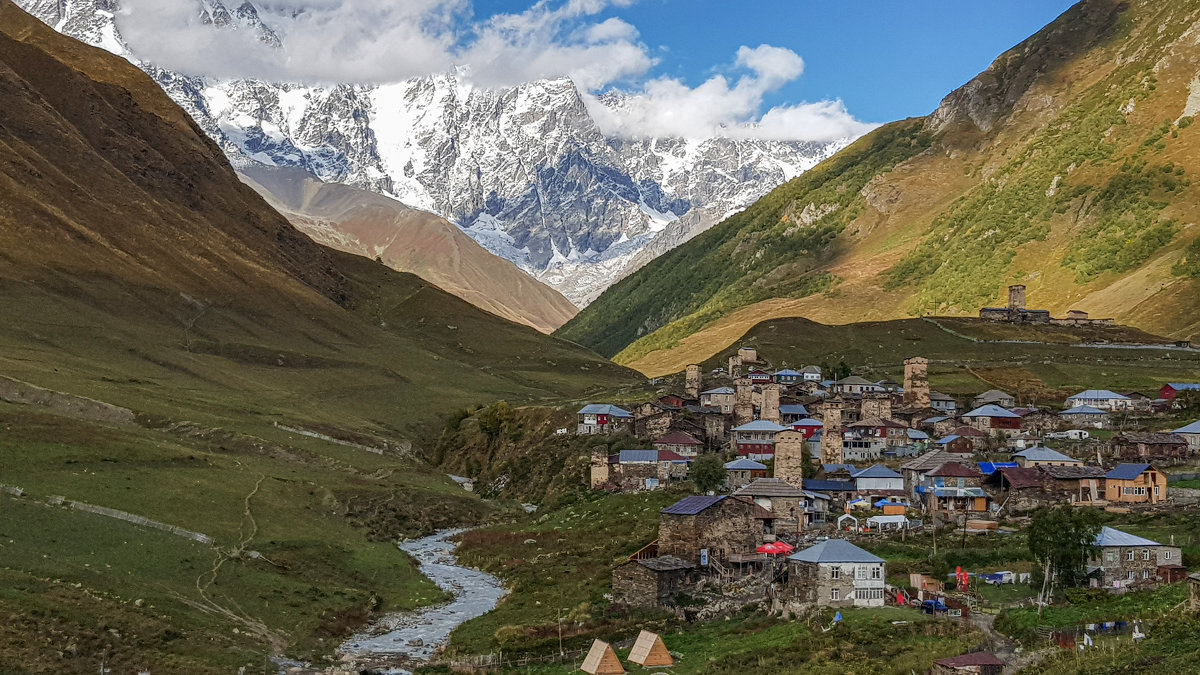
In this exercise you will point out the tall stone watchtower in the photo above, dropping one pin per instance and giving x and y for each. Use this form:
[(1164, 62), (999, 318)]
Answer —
[(789, 456), (916, 382), (769, 409), (743, 402), (831, 436), (877, 405), (691, 381), (735, 366), (1016, 298)]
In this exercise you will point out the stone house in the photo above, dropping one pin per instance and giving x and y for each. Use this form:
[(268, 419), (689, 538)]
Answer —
[(652, 582), (1020, 490), (914, 470), (654, 419), (1085, 416), (979, 439), (1191, 435), (854, 385), (1042, 456), (631, 470), (743, 471), (788, 377), (940, 425), (1124, 561), (782, 499), (959, 445), (791, 413), (1038, 421), (1150, 447), (680, 443), (1078, 483), (943, 403), (954, 487), (710, 527), (1135, 484), (721, 398), (603, 418), (811, 373), (836, 573)]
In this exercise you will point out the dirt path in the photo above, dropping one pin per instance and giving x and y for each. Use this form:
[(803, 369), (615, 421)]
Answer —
[(998, 643)]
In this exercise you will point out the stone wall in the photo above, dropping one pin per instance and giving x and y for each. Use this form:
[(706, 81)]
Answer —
[(725, 528)]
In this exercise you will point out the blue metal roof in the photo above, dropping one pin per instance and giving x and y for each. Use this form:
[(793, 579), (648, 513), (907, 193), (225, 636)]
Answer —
[(876, 471), (989, 468), (991, 410), (1193, 428), (788, 372), (828, 485), (935, 420), (1127, 471), (690, 506), (808, 422), (1184, 386), (917, 435), (603, 409), (1083, 410), (835, 551), (1102, 394), (719, 390), (744, 464), (760, 425), (830, 468), (1112, 537), (793, 409), (948, 439), (637, 456)]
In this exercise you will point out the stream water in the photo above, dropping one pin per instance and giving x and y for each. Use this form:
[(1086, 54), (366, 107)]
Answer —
[(418, 633)]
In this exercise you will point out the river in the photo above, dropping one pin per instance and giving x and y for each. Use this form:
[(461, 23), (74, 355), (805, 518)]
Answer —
[(417, 634)]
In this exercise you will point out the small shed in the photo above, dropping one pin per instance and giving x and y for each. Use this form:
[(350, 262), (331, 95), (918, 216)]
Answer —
[(982, 663), (650, 652), (602, 660)]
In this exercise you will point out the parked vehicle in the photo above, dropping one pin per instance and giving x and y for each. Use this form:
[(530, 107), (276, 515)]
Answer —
[(1069, 435), (933, 606)]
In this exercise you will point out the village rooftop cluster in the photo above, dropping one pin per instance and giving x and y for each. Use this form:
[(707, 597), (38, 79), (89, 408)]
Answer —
[(813, 463)]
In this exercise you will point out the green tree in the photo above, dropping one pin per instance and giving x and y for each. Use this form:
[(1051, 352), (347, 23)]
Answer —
[(708, 472), (496, 421), (1061, 540)]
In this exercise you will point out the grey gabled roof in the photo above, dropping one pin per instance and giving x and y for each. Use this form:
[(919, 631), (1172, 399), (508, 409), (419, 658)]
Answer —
[(1193, 428), (1040, 453), (769, 487), (1083, 410), (990, 410), (744, 464), (876, 471), (719, 390), (1112, 537), (1099, 394), (835, 551), (760, 425), (603, 409)]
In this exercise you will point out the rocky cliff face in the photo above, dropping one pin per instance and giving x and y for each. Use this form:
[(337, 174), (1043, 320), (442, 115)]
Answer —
[(525, 171)]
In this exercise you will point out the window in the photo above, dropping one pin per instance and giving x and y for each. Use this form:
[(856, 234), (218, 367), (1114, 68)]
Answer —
[(1145, 574), (1145, 554), (1130, 575), (876, 573), (1166, 555), (1129, 555), (860, 572), (836, 593), (835, 573), (1110, 556), (1156, 491)]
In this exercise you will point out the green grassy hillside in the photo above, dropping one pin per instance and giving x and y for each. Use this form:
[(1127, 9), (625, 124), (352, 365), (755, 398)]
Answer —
[(1066, 166)]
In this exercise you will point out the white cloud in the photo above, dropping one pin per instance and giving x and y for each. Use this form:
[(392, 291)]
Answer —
[(372, 41)]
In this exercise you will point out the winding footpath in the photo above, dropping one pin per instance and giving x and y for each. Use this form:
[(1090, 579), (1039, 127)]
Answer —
[(417, 634)]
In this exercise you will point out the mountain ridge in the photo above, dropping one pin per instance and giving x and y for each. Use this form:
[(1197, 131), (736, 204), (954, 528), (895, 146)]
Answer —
[(1066, 166)]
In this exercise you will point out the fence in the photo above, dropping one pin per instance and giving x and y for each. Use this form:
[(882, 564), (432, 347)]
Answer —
[(500, 660), (1176, 477), (327, 438), (139, 520)]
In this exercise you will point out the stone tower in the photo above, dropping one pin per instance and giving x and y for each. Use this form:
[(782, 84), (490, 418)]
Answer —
[(877, 405), (916, 382), (769, 410), (831, 437), (691, 381), (789, 456), (600, 470), (1016, 297), (735, 366), (743, 402)]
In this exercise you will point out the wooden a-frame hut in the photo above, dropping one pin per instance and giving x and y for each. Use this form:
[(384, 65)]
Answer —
[(602, 660), (650, 652)]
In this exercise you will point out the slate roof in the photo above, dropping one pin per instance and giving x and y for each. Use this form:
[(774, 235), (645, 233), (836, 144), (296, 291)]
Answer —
[(815, 495), (819, 485), (973, 659), (969, 432), (834, 551), (1101, 394), (935, 420), (1039, 453), (876, 471), (793, 409), (603, 409), (830, 468), (690, 506), (769, 487), (855, 380), (815, 370), (665, 563), (1073, 472), (928, 461), (939, 396), (992, 395), (678, 438), (1112, 537), (1083, 410), (990, 410), (1126, 471), (744, 464), (719, 390), (760, 425), (1193, 428), (1153, 437), (955, 470)]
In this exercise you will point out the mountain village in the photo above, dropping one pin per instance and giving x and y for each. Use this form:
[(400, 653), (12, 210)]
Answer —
[(813, 465)]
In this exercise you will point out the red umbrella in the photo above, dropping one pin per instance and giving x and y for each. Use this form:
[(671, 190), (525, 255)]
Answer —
[(774, 548)]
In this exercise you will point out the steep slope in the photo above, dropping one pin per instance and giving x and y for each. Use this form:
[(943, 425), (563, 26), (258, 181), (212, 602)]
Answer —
[(369, 224), (525, 170), (1066, 166), (270, 391)]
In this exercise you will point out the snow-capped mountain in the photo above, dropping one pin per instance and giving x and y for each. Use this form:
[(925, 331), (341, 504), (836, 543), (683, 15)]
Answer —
[(526, 171)]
